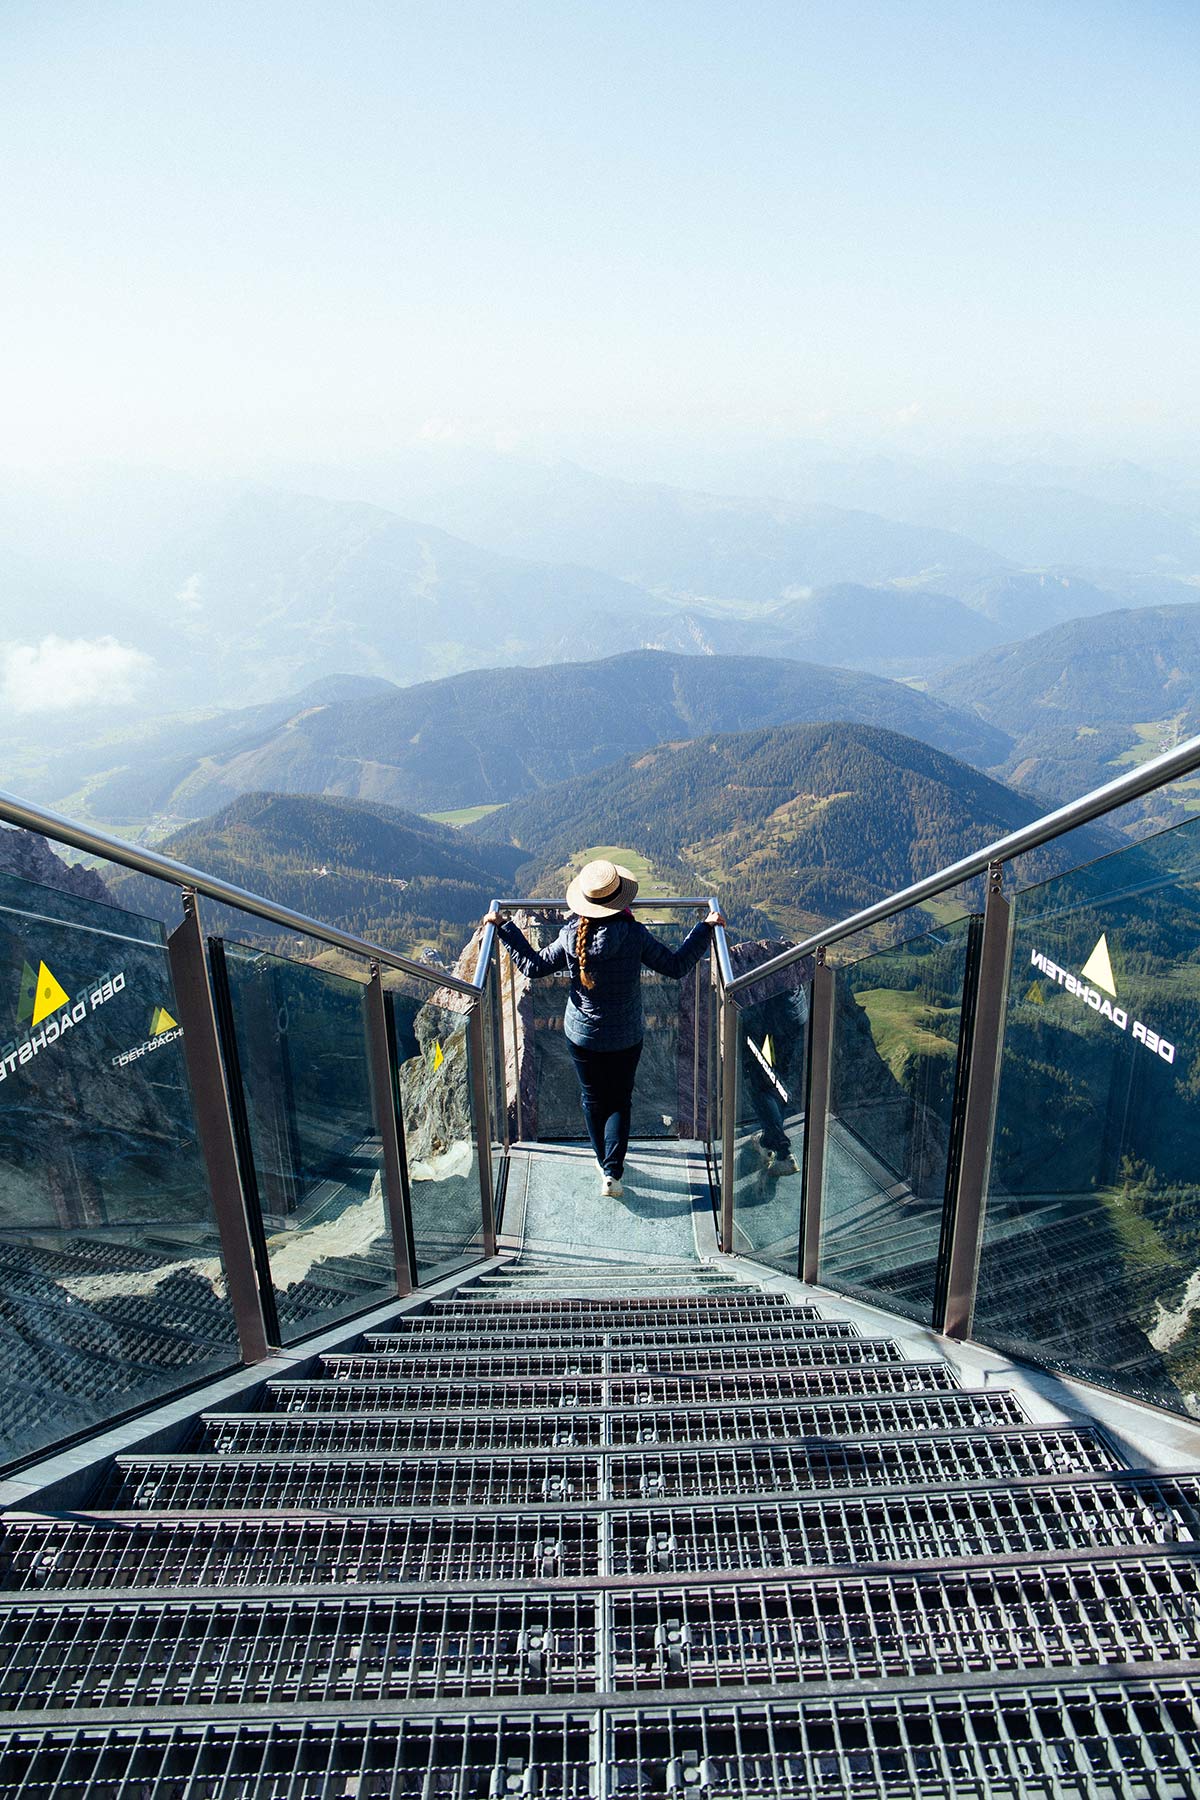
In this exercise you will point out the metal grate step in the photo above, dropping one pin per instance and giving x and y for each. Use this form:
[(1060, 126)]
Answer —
[(313, 1397), (789, 1354), (322, 1434), (347, 1483), (245, 1434), (278, 1652), (1082, 1741), (1044, 1517), (655, 1308), (934, 1459), (53, 1554), (499, 1327), (319, 1759), (1133, 1512), (959, 1622), (560, 1365), (659, 1390), (589, 1281), (1072, 1740), (782, 1384), (431, 1337), (415, 1364), (306, 1650), (819, 1418)]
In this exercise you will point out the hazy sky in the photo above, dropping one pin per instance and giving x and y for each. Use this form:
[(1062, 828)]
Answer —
[(268, 227)]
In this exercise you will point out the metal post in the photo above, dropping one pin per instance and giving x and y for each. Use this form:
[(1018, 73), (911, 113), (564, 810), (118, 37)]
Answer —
[(215, 1130), (390, 1127), (966, 1203), (483, 1129), (729, 1074), (816, 1115)]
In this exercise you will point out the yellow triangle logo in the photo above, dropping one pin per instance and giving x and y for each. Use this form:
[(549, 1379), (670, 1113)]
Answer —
[(438, 1057), (769, 1051), (1098, 967), (162, 1021), (1036, 995), (49, 995)]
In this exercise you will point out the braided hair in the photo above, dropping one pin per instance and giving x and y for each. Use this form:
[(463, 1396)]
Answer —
[(586, 978)]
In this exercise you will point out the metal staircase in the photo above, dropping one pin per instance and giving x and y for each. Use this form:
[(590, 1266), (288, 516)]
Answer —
[(576, 1528)]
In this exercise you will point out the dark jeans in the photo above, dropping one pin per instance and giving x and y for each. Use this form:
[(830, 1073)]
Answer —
[(606, 1094), (767, 1108)]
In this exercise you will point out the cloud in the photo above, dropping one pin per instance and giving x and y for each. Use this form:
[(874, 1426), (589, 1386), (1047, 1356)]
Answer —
[(188, 596), (441, 431), (63, 674)]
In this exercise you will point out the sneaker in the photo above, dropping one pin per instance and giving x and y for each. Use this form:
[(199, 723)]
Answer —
[(782, 1162), (610, 1188)]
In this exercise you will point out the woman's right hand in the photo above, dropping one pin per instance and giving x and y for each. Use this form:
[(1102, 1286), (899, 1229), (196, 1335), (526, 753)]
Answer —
[(715, 917), (493, 918)]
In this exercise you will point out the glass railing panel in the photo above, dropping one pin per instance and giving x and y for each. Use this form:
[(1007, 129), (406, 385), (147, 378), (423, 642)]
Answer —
[(716, 1089), (112, 1289), (439, 1128), (772, 1048), (663, 1101), (1090, 1259), (300, 1035), (897, 1020)]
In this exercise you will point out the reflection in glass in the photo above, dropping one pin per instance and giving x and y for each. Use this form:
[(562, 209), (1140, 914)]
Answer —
[(897, 1017), (493, 1053), (1091, 1250), (772, 1019), (439, 1130), (301, 1045), (112, 1289)]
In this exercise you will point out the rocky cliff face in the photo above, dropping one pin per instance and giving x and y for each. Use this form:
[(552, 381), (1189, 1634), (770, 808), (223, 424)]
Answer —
[(28, 855)]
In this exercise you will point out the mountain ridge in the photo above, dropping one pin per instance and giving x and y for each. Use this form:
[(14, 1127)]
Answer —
[(1088, 697), (393, 878), (489, 735), (802, 823)]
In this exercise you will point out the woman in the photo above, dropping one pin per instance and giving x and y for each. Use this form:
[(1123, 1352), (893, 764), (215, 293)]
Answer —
[(604, 948)]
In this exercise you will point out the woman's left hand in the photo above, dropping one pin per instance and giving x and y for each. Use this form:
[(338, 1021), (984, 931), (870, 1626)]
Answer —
[(715, 917)]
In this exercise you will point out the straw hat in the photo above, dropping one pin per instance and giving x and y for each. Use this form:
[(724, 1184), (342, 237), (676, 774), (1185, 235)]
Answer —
[(601, 890)]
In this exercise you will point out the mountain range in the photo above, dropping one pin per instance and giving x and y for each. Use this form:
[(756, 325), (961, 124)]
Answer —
[(400, 881), (232, 593), (1088, 698), (483, 737), (1037, 509)]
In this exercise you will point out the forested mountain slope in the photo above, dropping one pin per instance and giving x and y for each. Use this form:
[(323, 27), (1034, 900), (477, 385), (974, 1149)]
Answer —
[(1086, 698), (802, 822), (389, 876)]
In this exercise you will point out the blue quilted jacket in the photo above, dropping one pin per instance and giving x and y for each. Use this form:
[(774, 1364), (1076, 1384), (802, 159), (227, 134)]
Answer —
[(607, 1016)]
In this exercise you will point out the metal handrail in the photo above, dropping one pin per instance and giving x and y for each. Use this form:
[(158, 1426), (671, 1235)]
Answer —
[(720, 941), (1183, 760), (181, 875), (558, 904)]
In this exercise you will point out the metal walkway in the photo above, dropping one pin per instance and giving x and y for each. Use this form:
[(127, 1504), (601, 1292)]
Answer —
[(613, 1518)]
